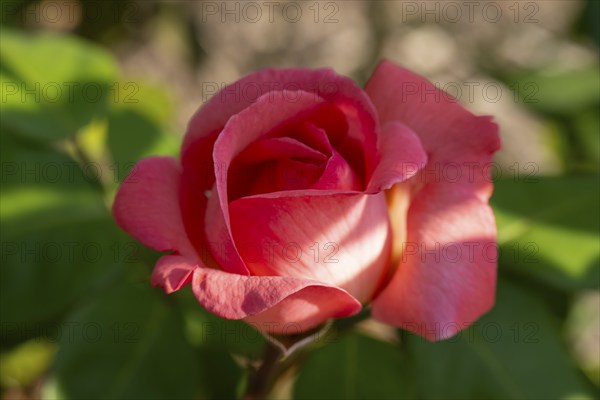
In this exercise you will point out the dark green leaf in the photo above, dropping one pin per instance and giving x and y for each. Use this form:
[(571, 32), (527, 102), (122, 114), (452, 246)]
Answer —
[(59, 242), (126, 344), (207, 330), (355, 367), (221, 346), (514, 352)]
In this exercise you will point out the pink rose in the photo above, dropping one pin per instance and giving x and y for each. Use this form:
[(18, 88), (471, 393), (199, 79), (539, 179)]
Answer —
[(300, 197)]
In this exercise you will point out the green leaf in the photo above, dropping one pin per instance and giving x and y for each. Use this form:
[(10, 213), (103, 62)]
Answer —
[(548, 229), (207, 330), (355, 367), (221, 344), (219, 373), (587, 126), (53, 85), (42, 187), (23, 365), (564, 93), (58, 239), (513, 352), (137, 128), (127, 343)]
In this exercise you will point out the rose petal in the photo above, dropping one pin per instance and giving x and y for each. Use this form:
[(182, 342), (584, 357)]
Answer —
[(172, 272), (198, 178), (447, 273), (338, 175), (282, 175), (206, 124), (351, 134), (451, 136), (305, 310), (147, 206), (274, 164), (342, 240), (401, 156), (314, 137), (447, 270), (305, 303), (322, 83), (220, 242), (278, 148), (269, 112)]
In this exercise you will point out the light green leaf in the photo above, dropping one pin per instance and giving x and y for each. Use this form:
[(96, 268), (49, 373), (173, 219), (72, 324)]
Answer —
[(42, 187), (138, 128), (53, 85), (587, 126), (548, 228), (22, 365), (560, 92)]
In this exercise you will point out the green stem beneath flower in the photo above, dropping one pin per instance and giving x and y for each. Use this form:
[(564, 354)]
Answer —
[(274, 364), (261, 381)]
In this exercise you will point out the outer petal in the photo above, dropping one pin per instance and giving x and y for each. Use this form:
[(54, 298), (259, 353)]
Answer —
[(451, 136), (147, 206), (271, 302), (401, 156), (323, 84), (172, 272), (304, 310), (447, 269), (343, 240), (198, 177), (447, 273)]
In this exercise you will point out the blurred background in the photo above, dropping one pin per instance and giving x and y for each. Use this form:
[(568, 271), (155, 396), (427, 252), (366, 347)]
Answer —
[(90, 87)]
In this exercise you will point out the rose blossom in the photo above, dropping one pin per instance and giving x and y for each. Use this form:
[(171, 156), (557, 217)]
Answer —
[(300, 197)]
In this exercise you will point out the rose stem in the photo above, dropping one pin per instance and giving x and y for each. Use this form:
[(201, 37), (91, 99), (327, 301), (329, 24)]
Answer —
[(261, 381), (274, 365)]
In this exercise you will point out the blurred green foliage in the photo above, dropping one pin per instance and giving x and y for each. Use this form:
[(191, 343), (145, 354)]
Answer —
[(549, 229), (53, 86), (80, 320), (569, 103)]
